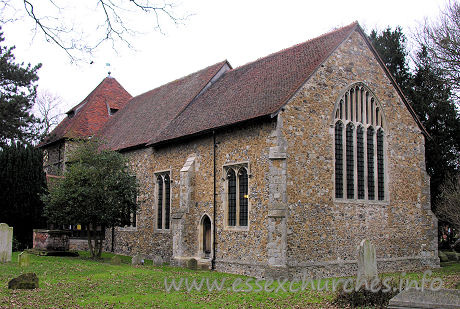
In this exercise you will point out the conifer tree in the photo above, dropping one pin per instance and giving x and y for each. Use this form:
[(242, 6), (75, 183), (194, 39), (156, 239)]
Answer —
[(18, 90), (22, 182), (429, 94)]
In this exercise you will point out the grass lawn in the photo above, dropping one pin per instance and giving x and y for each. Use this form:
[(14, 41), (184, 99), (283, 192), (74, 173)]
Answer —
[(73, 282)]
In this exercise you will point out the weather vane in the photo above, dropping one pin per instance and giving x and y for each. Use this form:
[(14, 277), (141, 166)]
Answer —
[(108, 66)]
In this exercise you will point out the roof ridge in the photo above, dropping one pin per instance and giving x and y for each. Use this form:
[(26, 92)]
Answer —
[(355, 23), (177, 79), (197, 94), (222, 64), (84, 101), (353, 26), (338, 36)]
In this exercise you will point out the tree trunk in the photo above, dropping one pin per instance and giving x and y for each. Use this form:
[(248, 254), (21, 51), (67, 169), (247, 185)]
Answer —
[(99, 243), (90, 242)]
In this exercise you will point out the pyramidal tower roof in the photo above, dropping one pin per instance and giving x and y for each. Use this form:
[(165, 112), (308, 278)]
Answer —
[(89, 116)]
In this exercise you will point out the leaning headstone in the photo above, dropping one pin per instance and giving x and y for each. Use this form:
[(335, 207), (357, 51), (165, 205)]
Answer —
[(24, 282), (192, 264), (367, 261), (137, 260), (412, 298), (23, 259), (6, 242), (116, 260)]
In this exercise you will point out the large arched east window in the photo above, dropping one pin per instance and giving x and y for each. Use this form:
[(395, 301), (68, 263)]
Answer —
[(359, 145)]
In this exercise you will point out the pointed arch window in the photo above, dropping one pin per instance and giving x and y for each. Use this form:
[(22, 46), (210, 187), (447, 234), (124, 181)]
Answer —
[(231, 178), (237, 195), (339, 159), (163, 181), (360, 161), (370, 164), (380, 166), (359, 145), (243, 198), (350, 161), (160, 203)]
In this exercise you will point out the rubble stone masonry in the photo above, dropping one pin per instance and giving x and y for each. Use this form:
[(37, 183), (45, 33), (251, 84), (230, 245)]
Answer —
[(295, 224)]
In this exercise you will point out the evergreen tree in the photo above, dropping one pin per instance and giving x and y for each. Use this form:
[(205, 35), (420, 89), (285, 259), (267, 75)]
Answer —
[(430, 96), (97, 191), (17, 94), (22, 181), (391, 46)]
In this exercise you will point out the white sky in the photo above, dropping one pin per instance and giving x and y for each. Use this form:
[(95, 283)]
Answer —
[(239, 31)]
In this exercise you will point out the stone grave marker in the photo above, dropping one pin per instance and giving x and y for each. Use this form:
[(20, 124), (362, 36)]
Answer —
[(367, 261), (157, 260), (137, 260), (192, 264), (115, 260), (24, 282), (440, 299), (24, 259), (6, 242)]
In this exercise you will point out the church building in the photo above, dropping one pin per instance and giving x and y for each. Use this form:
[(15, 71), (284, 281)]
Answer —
[(281, 166)]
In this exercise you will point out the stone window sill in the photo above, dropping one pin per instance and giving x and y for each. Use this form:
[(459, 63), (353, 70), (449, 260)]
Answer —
[(236, 228), (127, 229)]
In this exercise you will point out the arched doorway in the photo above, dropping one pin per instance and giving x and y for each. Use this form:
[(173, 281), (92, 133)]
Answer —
[(206, 236)]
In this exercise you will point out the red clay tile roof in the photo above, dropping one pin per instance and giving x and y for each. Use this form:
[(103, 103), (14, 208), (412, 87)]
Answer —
[(253, 90), (92, 113), (145, 115)]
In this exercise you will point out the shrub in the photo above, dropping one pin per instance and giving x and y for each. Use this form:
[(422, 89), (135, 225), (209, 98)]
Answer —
[(363, 296)]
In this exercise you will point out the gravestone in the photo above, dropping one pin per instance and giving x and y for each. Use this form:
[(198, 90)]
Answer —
[(157, 260), (441, 299), (192, 264), (137, 260), (116, 260), (24, 282), (23, 259), (6, 242), (367, 261)]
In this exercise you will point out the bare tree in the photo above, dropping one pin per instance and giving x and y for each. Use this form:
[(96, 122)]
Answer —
[(80, 27), (448, 206), (441, 38), (47, 110)]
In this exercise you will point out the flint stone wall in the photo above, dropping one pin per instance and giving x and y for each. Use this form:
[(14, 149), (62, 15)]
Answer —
[(296, 227)]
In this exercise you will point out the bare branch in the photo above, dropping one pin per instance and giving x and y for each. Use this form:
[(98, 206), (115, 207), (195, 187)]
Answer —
[(442, 41), (113, 20), (48, 112)]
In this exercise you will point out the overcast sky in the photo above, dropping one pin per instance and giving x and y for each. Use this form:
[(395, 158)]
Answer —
[(239, 31)]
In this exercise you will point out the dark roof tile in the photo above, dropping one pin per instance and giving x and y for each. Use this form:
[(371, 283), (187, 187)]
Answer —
[(146, 114), (253, 90)]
